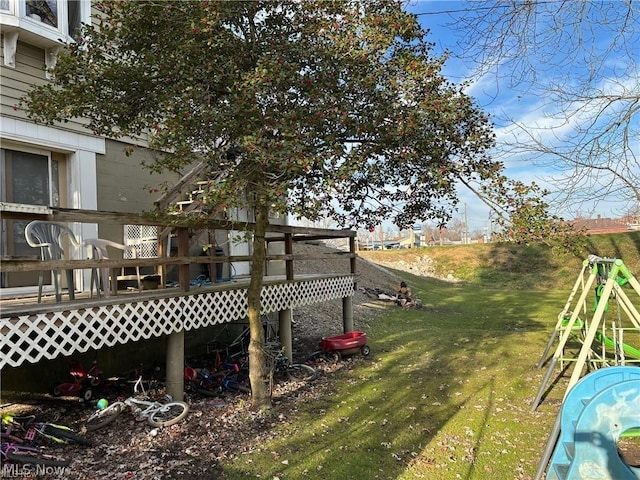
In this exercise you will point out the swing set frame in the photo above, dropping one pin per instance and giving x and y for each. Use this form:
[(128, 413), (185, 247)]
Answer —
[(605, 281)]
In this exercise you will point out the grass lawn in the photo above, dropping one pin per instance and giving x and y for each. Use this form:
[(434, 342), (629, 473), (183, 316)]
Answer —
[(446, 391), (445, 394)]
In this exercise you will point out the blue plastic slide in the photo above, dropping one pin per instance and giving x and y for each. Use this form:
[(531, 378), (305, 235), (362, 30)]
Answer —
[(595, 412)]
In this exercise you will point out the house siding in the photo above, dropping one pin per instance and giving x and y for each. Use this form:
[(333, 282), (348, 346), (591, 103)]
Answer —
[(96, 173), (78, 151), (16, 82), (123, 184)]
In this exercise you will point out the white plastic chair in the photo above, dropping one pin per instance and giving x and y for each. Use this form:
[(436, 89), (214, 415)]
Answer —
[(49, 238), (98, 250)]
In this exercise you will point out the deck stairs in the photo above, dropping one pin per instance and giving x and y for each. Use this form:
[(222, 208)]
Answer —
[(186, 198)]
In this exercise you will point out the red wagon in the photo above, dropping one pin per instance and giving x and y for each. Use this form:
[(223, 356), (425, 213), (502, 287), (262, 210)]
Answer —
[(346, 344)]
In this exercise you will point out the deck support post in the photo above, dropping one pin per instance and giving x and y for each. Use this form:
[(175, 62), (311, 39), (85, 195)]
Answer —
[(285, 318), (347, 314), (175, 365), (175, 340)]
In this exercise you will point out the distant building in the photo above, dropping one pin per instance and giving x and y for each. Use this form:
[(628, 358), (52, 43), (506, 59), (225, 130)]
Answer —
[(600, 225)]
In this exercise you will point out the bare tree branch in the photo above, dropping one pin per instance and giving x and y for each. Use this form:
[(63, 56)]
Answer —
[(580, 59)]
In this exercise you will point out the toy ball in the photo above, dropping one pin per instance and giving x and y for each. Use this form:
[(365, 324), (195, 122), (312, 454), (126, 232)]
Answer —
[(102, 403)]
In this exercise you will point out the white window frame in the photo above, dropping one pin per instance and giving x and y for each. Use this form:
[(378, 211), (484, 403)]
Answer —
[(8, 291), (7, 6), (16, 16), (33, 151)]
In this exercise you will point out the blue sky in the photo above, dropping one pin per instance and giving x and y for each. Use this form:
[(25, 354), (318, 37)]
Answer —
[(500, 102)]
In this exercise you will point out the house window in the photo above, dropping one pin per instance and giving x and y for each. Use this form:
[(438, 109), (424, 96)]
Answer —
[(74, 18), (30, 179), (45, 11), (51, 19)]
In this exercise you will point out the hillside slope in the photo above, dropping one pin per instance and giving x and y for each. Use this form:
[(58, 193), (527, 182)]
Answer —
[(496, 266), (325, 319), (516, 266)]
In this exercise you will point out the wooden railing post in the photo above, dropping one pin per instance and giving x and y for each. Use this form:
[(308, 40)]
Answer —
[(288, 250), (162, 252), (213, 266), (352, 260), (183, 251)]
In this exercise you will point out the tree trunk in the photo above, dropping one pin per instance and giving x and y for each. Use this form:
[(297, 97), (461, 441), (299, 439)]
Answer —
[(260, 396)]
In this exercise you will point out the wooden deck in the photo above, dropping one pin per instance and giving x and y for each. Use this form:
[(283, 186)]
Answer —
[(31, 332)]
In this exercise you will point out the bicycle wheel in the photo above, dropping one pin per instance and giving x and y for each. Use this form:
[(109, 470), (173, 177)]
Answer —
[(168, 414), (34, 457), (104, 417), (300, 372), (66, 435), (234, 385), (193, 388), (315, 357)]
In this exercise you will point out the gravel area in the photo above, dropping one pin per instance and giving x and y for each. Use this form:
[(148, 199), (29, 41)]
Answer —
[(312, 322)]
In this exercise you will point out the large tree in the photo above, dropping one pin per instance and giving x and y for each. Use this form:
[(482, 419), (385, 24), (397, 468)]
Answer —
[(579, 59), (309, 108)]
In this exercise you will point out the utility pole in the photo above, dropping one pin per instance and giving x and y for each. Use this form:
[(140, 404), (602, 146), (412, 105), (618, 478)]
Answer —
[(466, 226)]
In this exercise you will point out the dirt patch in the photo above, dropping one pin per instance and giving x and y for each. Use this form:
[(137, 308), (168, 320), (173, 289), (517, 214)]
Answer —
[(418, 263), (629, 450)]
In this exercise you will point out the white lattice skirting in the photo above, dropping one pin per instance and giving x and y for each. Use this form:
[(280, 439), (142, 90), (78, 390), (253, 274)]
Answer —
[(31, 338)]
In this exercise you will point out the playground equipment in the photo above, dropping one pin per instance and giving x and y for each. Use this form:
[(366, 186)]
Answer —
[(587, 446), (597, 410), (610, 274)]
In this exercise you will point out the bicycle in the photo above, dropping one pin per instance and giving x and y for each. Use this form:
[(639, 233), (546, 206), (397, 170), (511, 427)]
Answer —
[(212, 383), (297, 372), (237, 345), (277, 364), (30, 429), (156, 414), (12, 452)]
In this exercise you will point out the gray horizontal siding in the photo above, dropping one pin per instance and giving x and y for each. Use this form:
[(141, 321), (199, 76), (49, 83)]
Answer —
[(16, 82)]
